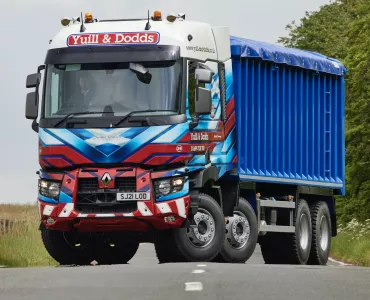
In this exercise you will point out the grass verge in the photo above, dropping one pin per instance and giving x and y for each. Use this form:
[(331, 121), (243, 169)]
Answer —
[(352, 245), (23, 246)]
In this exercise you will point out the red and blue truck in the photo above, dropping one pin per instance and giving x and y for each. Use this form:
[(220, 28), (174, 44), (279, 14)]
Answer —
[(173, 132)]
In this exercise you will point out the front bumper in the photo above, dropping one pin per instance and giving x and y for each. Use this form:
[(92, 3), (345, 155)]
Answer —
[(65, 217), (73, 209)]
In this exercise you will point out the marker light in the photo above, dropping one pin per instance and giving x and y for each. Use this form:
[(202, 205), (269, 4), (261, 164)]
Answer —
[(157, 16), (66, 21), (88, 18), (171, 18)]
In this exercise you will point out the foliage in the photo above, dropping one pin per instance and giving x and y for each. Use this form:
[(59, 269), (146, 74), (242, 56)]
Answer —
[(341, 30), (352, 244)]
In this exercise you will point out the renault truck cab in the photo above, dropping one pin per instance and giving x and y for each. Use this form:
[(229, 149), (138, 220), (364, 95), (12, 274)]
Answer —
[(136, 126)]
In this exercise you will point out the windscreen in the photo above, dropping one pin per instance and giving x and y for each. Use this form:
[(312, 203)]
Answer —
[(113, 87)]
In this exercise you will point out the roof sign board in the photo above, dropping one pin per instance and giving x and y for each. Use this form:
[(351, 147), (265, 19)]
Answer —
[(113, 39)]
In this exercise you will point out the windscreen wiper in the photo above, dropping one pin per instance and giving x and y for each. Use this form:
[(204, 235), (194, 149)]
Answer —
[(136, 112), (71, 115)]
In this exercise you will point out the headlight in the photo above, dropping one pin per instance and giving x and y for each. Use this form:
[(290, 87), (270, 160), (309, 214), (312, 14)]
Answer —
[(169, 186), (49, 189)]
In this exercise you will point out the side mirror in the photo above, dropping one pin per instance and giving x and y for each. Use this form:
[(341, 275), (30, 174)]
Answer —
[(33, 80), (32, 106), (203, 101), (204, 75)]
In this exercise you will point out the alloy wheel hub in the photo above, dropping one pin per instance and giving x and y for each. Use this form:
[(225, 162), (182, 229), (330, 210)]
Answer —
[(237, 230), (204, 233)]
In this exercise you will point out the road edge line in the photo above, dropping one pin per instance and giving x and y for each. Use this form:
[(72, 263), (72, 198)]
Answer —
[(339, 262)]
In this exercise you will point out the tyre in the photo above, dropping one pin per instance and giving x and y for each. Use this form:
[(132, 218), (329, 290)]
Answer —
[(321, 234), (115, 252), (284, 248), (65, 248), (241, 235), (204, 242), (166, 248)]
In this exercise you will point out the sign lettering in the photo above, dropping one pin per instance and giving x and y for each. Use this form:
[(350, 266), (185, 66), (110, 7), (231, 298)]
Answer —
[(130, 38), (199, 136), (198, 148)]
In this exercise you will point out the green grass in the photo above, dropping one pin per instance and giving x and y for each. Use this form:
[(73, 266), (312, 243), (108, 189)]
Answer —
[(352, 245), (23, 246)]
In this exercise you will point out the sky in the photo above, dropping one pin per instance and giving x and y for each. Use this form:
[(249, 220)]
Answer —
[(27, 27)]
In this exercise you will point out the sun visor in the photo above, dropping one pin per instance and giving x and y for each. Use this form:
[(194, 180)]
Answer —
[(110, 54)]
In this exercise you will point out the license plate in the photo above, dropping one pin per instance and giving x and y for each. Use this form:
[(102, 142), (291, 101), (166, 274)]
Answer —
[(133, 196)]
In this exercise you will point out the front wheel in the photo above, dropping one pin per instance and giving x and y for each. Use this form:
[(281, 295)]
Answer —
[(241, 235), (204, 242), (166, 249), (115, 253), (66, 248)]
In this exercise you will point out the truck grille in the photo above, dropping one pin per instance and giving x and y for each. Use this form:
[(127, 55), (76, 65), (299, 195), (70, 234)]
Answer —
[(92, 200), (88, 184), (126, 184)]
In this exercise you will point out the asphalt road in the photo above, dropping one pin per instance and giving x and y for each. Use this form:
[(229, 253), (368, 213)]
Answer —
[(144, 278)]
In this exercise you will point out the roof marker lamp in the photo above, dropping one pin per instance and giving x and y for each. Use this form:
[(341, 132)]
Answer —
[(157, 16), (171, 18), (88, 18), (66, 21)]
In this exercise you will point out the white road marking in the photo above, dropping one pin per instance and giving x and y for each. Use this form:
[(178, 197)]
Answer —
[(198, 271), (339, 262), (201, 266), (193, 286)]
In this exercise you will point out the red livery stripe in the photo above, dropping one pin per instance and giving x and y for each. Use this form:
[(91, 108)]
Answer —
[(153, 149), (180, 158), (220, 125), (57, 162), (158, 160), (65, 151), (229, 124), (230, 107), (204, 136)]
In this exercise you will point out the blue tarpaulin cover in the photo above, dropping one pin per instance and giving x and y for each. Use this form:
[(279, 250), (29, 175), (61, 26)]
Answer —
[(281, 55)]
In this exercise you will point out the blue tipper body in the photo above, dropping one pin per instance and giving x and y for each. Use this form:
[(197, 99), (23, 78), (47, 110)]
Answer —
[(290, 115)]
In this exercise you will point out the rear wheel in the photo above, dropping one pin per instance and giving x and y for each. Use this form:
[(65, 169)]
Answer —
[(321, 234), (283, 248), (204, 242), (66, 248), (241, 235)]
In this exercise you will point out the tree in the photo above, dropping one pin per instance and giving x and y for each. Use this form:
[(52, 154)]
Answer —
[(322, 31)]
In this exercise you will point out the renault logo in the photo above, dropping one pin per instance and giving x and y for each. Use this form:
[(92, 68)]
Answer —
[(106, 179)]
